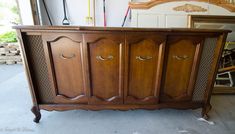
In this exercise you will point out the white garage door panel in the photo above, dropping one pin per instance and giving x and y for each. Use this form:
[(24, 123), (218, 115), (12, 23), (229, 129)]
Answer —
[(148, 20), (176, 20)]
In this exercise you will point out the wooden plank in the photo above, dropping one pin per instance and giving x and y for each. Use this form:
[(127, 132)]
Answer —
[(223, 90), (231, 68), (120, 29)]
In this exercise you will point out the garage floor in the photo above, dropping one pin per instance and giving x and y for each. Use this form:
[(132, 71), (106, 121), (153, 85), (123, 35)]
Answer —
[(16, 118)]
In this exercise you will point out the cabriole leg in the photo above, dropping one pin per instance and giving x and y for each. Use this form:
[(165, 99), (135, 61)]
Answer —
[(36, 111), (205, 111)]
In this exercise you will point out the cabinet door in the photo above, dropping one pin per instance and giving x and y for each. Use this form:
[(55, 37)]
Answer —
[(63, 56), (105, 63), (144, 56), (180, 68)]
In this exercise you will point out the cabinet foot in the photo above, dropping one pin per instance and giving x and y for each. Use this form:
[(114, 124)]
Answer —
[(205, 111), (36, 111), (206, 117)]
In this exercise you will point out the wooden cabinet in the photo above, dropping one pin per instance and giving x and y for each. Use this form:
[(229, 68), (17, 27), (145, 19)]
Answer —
[(120, 68), (144, 54), (105, 61), (63, 56), (180, 67)]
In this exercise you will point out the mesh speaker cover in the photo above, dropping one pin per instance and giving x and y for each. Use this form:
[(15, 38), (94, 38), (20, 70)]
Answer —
[(37, 62), (204, 69)]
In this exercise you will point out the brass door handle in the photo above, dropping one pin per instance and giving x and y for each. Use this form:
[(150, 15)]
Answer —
[(67, 57), (184, 57), (110, 57), (143, 58)]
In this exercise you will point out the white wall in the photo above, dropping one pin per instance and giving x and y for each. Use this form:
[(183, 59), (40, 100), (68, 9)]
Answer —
[(77, 11), (25, 12)]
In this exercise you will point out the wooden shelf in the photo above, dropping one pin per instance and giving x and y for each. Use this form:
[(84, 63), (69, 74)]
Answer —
[(232, 68), (223, 90)]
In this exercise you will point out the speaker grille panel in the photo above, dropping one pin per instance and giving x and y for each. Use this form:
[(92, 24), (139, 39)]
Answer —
[(37, 62), (204, 68)]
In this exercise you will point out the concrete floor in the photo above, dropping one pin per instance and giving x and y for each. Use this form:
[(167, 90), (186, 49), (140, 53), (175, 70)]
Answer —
[(16, 118)]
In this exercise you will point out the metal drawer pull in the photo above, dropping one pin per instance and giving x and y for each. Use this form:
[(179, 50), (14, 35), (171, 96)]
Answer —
[(67, 57), (185, 57), (110, 57), (143, 58)]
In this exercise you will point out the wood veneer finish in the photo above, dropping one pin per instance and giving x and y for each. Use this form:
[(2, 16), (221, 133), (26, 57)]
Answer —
[(118, 68)]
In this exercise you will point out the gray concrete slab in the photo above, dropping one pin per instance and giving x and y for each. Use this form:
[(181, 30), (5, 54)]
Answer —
[(16, 118)]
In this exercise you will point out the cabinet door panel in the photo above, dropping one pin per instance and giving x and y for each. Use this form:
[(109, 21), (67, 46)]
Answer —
[(63, 55), (182, 56), (105, 67), (145, 53)]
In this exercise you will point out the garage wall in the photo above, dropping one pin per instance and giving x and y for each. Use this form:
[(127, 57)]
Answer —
[(26, 14), (161, 15), (77, 11)]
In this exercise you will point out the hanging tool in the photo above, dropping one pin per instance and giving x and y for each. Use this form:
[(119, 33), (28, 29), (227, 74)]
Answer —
[(127, 12), (65, 20), (49, 18), (94, 21), (130, 12), (105, 24), (128, 9), (89, 19)]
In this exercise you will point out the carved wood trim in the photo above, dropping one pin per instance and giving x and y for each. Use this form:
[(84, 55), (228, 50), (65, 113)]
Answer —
[(58, 97), (112, 98), (93, 39), (60, 37), (190, 8), (188, 94), (133, 40), (146, 5), (192, 19), (63, 99), (146, 98)]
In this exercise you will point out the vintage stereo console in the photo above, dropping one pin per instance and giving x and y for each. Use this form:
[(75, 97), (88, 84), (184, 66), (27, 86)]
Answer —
[(96, 68)]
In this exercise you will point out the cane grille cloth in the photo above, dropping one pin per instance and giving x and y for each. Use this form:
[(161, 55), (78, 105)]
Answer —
[(37, 62), (204, 68)]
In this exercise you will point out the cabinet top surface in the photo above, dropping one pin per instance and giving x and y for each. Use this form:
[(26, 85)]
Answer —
[(118, 29)]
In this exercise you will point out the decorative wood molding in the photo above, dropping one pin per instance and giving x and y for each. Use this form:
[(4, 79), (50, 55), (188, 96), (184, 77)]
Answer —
[(190, 8), (223, 90), (192, 19), (229, 5)]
